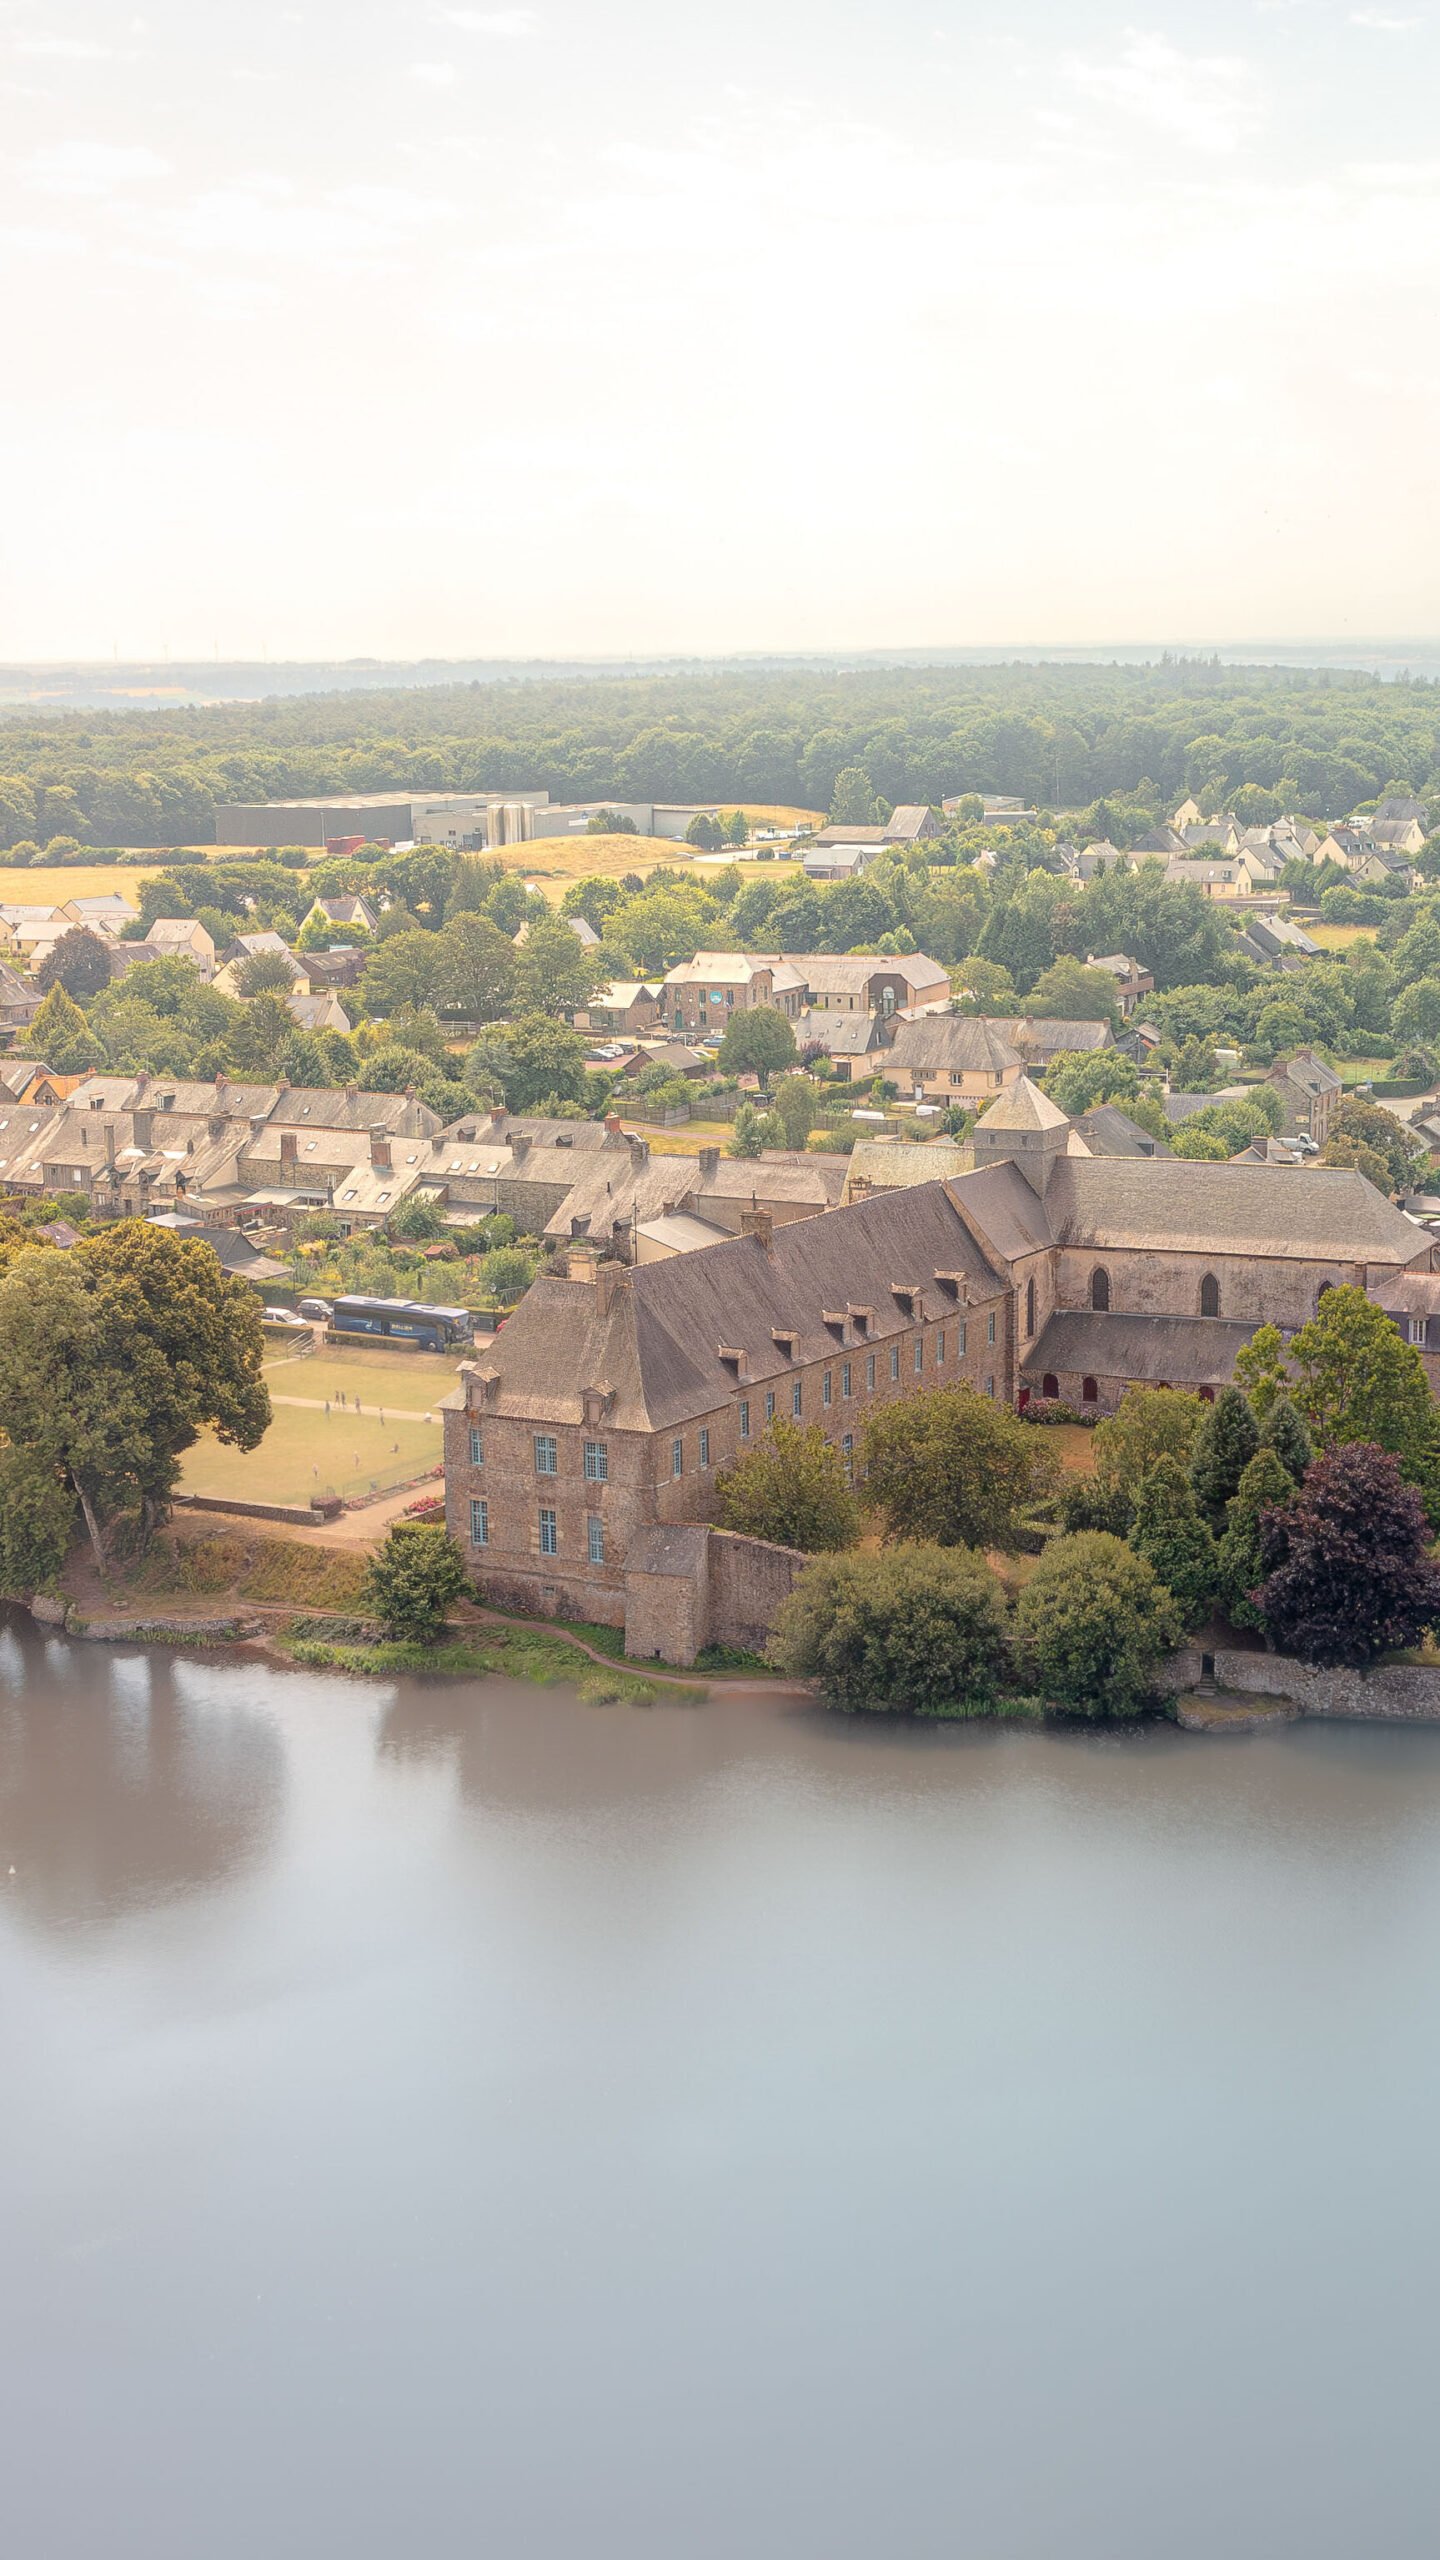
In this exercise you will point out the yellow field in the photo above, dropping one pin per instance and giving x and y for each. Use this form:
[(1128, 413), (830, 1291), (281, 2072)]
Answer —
[(684, 1141), (1339, 937), (50, 884)]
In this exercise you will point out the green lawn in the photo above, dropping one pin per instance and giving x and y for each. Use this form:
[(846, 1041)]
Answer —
[(308, 1450)]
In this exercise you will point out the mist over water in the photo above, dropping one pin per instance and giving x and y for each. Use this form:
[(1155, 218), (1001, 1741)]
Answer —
[(454, 2120)]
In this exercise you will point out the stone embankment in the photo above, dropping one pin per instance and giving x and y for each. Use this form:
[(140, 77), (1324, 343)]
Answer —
[(1394, 1693)]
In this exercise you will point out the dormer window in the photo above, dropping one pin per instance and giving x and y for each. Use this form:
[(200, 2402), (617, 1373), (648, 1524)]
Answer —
[(785, 1343)]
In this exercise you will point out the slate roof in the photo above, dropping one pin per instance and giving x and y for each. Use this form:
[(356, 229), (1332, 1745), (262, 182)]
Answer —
[(656, 1344), (1041, 1037), (1109, 1131), (1151, 1351), (945, 1042), (1316, 1213)]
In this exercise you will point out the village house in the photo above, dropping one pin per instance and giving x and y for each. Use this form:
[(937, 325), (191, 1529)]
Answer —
[(842, 853), (178, 938), (1132, 982), (1310, 1092), (882, 982), (626, 1005), (699, 997), (342, 915), (949, 1057)]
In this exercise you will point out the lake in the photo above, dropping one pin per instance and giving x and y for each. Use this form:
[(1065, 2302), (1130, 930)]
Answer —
[(452, 2120)]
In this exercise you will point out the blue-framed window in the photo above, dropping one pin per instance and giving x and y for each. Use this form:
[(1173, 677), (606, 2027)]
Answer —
[(477, 1445), (597, 1462), (479, 1522), (549, 1534), (595, 1539), (547, 1455)]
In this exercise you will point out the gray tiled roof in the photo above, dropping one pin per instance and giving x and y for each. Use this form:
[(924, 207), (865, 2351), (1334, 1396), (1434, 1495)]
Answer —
[(1175, 1351), (1314, 1213)]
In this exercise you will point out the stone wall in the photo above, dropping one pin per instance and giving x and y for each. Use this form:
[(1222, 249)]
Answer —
[(749, 1580), (1398, 1692)]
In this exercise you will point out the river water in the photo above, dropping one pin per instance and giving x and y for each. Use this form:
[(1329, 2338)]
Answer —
[(455, 2120)]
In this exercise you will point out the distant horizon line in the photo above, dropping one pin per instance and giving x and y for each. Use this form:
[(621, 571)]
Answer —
[(1099, 650)]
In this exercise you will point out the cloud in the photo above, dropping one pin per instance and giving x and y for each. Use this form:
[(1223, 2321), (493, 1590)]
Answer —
[(63, 49), (1379, 21), (91, 168), (492, 22), (1205, 100), (434, 75)]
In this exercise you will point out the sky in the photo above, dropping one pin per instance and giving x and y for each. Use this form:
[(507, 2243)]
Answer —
[(403, 327)]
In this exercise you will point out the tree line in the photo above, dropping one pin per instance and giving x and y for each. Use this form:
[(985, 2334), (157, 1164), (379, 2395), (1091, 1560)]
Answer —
[(1059, 737)]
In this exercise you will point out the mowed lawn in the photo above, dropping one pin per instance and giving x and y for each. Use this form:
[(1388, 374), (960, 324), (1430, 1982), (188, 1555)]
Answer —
[(307, 1450)]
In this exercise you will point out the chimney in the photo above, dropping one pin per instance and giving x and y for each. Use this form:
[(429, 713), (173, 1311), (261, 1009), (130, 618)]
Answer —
[(289, 1145), (141, 1081), (519, 1148), (216, 1124), (755, 1221), (409, 1093), (612, 1125), (352, 1093), (222, 1087), (581, 1262), (639, 1150), (610, 1278), (379, 1149), (143, 1124), (709, 1163)]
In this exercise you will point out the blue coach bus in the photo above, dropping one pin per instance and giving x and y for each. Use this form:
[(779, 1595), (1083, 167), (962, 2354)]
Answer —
[(403, 1319)]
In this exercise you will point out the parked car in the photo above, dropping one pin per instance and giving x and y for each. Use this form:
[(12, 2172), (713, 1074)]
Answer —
[(316, 1310), (285, 1319)]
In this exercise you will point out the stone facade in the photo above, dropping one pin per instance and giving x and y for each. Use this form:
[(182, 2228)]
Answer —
[(1394, 1693)]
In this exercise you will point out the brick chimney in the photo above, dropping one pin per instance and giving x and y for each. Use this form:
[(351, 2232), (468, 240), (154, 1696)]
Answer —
[(709, 1163), (222, 1087), (379, 1149), (352, 1093), (289, 1146), (756, 1221), (639, 1149), (519, 1148), (143, 1125), (610, 1278), (613, 1128)]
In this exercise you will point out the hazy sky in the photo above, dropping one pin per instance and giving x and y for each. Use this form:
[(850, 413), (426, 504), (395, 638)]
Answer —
[(402, 327)]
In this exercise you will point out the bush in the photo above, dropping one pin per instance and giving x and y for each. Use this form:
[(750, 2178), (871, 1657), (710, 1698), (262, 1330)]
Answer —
[(1095, 1623), (920, 1630), (412, 1580), (1265, 1486)]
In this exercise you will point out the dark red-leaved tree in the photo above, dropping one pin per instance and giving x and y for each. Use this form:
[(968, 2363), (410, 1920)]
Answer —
[(1349, 1574)]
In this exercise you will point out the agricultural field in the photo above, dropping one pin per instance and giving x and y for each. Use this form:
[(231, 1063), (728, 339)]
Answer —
[(345, 1422), (50, 884), (555, 862)]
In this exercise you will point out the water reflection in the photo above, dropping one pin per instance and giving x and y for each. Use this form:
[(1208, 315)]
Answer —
[(117, 1789)]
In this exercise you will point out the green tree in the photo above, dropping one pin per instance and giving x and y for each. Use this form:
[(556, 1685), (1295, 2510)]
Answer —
[(479, 969), (113, 1358), (953, 1468), (1415, 1014), (554, 972), (1362, 1128), (1356, 1380), (413, 1579), (704, 832), (418, 1220), (1197, 1068), (528, 1059), (1262, 1371), (791, 1489), (1175, 1542), (1221, 1451), (759, 1039), (61, 1036), (1068, 991), (1266, 1485), (747, 1132), (1285, 1433), (737, 828), (1079, 1079), (265, 973), (1148, 1423), (795, 1102), (920, 1630), (852, 802), (79, 962), (1095, 1624)]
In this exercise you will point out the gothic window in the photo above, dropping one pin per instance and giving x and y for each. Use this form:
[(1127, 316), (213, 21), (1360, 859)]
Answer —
[(1029, 1308), (1209, 1295), (1050, 1386), (1100, 1292), (1089, 1392)]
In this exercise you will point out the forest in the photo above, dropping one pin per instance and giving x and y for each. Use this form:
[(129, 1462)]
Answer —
[(1064, 737)]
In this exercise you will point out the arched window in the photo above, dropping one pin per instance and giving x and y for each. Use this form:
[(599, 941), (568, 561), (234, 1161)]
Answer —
[(1029, 1308), (1100, 1292), (1089, 1392), (1207, 1395), (1209, 1295), (1050, 1386), (1323, 1291)]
